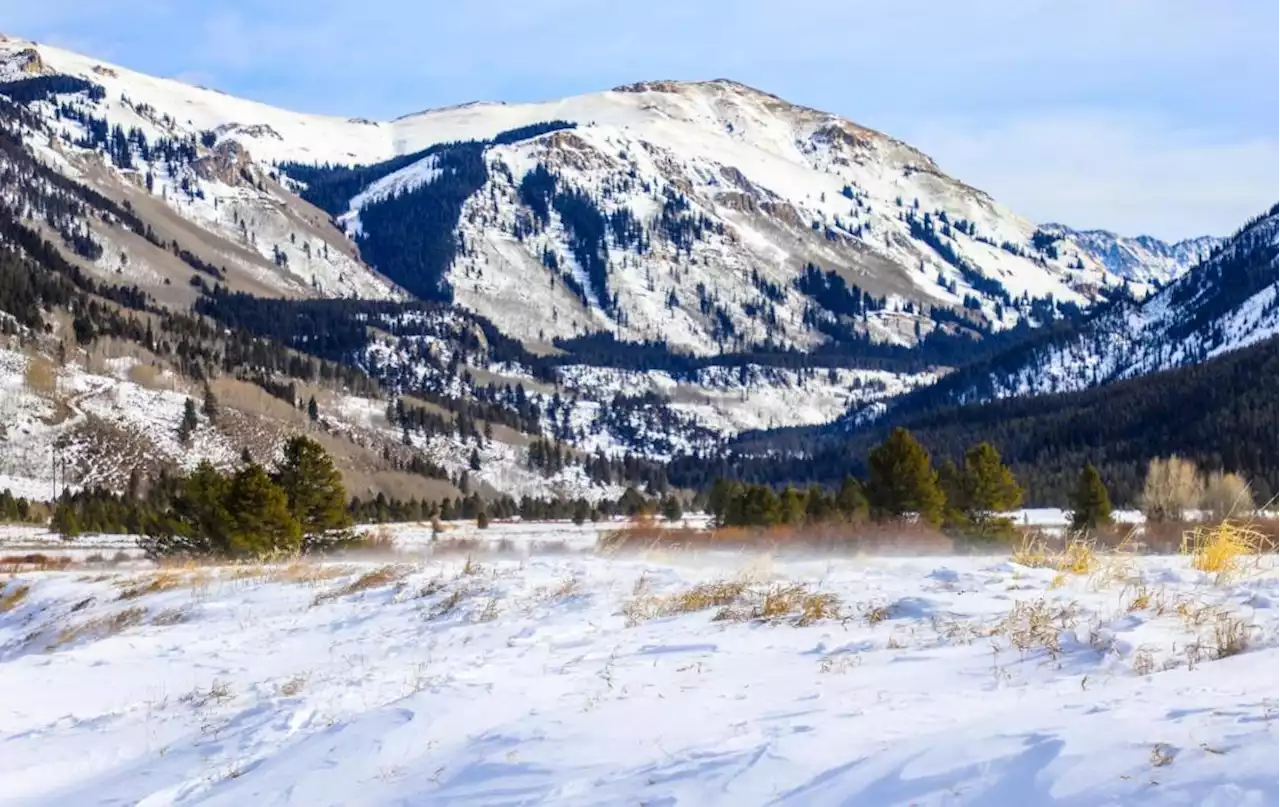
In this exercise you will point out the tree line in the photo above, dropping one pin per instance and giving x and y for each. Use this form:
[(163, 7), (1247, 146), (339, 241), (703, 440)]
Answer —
[(903, 483)]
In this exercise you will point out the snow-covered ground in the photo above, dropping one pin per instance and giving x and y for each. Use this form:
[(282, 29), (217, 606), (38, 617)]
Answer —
[(579, 679)]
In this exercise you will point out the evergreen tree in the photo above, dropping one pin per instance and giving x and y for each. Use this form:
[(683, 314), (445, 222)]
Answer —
[(988, 485), (951, 483), (474, 461), (313, 411), (313, 487), (203, 523), (851, 502), (190, 421), (65, 522), (261, 524), (1090, 504), (581, 511), (482, 519), (210, 407), (791, 506), (901, 480)]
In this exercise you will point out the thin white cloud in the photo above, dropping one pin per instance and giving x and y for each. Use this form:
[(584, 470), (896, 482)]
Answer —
[(1129, 174)]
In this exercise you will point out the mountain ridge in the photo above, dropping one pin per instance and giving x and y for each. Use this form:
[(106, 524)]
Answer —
[(781, 186)]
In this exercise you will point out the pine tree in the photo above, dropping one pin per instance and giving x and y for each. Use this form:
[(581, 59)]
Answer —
[(203, 521), (951, 483), (851, 502), (581, 511), (1090, 504), (313, 487), (190, 421), (261, 524), (791, 506), (313, 411), (474, 461), (901, 481), (210, 407), (988, 485), (482, 519)]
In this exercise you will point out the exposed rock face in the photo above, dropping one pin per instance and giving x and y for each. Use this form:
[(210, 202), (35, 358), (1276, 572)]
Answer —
[(28, 61), (228, 163)]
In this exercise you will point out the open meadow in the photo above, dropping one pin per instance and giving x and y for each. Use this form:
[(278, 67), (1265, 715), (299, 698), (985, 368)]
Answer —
[(548, 673)]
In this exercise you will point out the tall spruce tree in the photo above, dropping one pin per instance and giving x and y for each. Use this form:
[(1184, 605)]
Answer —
[(901, 480), (313, 488), (989, 487), (1090, 504), (261, 524), (210, 406), (190, 421)]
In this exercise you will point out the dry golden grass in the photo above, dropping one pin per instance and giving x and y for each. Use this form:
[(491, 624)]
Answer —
[(11, 598), (375, 578), (33, 561), (166, 580), (565, 589), (307, 573), (99, 627), (291, 686), (1076, 556), (41, 375), (148, 376), (737, 601), (1225, 549), (1230, 636), (1037, 624)]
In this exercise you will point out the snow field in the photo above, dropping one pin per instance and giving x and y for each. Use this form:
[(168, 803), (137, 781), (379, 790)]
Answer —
[(667, 679)]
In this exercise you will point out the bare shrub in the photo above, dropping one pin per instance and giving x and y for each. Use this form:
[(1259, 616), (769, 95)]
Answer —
[(1225, 496), (1230, 636), (1172, 487)]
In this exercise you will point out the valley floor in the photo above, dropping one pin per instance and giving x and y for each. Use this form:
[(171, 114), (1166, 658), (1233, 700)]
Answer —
[(690, 679)]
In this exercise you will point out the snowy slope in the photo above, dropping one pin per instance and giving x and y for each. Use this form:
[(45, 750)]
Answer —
[(1227, 301), (1145, 259), (568, 681), (211, 197), (778, 186)]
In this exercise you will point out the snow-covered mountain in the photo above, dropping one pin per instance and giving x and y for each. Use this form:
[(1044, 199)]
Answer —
[(1144, 259), (709, 215), (1227, 301)]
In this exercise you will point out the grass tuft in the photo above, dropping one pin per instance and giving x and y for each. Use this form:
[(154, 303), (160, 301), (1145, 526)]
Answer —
[(1222, 548), (374, 578), (11, 599), (1077, 556)]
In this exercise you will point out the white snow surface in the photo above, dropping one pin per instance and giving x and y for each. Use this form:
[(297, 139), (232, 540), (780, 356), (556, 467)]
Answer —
[(506, 681)]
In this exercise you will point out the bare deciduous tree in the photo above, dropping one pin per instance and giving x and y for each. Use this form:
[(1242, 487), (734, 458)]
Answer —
[(1172, 487)]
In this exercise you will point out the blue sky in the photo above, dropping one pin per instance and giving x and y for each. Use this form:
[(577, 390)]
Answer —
[(1142, 116)]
